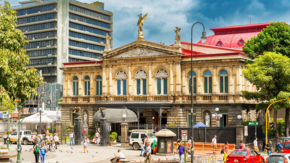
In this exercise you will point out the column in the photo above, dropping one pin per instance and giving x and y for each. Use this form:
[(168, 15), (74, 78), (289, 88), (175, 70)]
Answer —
[(65, 85), (171, 78), (104, 81), (184, 82), (199, 81), (92, 83), (110, 81), (81, 84), (124, 135), (231, 80), (130, 92), (150, 83), (214, 81), (178, 77), (238, 79)]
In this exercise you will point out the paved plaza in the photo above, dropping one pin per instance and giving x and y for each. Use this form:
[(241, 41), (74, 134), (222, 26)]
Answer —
[(96, 154)]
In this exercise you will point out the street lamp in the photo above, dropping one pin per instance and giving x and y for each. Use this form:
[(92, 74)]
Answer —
[(203, 39), (217, 116), (239, 118)]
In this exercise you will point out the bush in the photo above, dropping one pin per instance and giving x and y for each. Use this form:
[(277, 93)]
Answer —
[(91, 134), (115, 134), (112, 137), (48, 128), (172, 125), (54, 128)]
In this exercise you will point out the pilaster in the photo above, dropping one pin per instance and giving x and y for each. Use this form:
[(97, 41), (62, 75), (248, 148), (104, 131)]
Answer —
[(110, 81), (81, 84), (178, 77), (150, 79), (199, 81), (171, 78), (104, 81), (214, 81), (183, 82), (130, 89)]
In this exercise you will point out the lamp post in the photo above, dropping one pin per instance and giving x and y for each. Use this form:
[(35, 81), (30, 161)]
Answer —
[(18, 136), (239, 119), (8, 127), (203, 39), (217, 116)]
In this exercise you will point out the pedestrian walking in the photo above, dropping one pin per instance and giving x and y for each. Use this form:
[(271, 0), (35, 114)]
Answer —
[(20, 146), (71, 136), (142, 147), (155, 130), (51, 141), (85, 144), (269, 148), (279, 146), (36, 152), (43, 150), (180, 149), (56, 139), (39, 140), (256, 148), (148, 153), (5, 137), (264, 144), (226, 151), (118, 156), (213, 142)]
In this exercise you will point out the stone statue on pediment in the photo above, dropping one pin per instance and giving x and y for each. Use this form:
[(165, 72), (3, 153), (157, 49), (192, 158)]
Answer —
[(108, 43), (177, 36)]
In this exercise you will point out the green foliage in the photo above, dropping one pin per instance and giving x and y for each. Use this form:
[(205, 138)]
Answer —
[(47, 128), (7, 105), (16, 80), (112, 137), (91, 134), (280, 128), (115, 134), (60, 101), (54, 128), (274, 38), (270, 73)]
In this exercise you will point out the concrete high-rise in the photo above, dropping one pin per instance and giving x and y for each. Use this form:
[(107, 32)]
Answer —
[(62, 31)]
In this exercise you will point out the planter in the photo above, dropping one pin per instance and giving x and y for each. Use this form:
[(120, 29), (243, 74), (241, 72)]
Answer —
[(115, 142), (111, 144)]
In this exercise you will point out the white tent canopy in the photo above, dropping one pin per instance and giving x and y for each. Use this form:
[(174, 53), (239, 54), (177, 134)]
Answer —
[(46, 117)]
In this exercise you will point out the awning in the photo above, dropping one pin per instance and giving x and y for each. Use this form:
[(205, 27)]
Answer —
[(114, 115), (35, 118), (199, 124)]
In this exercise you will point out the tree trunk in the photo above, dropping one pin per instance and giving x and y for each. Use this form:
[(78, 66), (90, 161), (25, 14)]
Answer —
[(275, 125), (287, 122)]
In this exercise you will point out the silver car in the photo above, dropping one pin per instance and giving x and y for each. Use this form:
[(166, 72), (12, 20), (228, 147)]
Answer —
[(278, 158)]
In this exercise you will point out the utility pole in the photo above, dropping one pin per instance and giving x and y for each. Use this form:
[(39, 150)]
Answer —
[(18, 136)]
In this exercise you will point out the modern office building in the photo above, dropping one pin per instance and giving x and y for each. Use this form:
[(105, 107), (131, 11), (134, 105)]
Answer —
[(61, 31)]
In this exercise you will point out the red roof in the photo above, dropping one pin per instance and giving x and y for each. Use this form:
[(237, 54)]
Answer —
[(234, 36), (212, 46), (81, 63), (213, 55)]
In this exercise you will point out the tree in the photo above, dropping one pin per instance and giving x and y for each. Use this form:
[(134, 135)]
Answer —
[(16, 80), (270, 73), (274, 38)]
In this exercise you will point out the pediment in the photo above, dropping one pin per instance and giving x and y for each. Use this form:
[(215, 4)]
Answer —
[(140, 49), (140, 52)]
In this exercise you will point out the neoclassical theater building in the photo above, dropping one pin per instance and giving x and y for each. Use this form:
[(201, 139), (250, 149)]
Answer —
[(153, 80)]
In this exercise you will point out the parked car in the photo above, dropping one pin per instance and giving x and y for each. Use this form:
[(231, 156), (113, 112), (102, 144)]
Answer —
[(136, 138), (278, 158), (247, 156), (284, 139), (26, 137), (286, 147)]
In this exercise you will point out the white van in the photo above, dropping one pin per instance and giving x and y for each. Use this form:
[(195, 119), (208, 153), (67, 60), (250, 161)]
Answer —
[(137, 136)]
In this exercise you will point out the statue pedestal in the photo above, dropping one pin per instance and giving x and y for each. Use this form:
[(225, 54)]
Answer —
[(104, 133), (124, 135), (77, 132), (58, 131), (140, 37)]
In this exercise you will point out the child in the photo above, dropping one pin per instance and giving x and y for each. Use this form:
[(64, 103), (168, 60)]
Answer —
[(85, 145)]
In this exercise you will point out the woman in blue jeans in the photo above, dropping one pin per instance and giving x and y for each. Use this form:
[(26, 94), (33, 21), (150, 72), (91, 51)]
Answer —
[(42, 152), (142, 147)]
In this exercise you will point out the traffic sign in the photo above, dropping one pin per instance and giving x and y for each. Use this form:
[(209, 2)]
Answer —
[(184, 135), (253, 123)]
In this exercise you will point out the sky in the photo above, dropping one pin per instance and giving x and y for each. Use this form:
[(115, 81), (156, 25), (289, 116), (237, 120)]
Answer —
[(165, 15)]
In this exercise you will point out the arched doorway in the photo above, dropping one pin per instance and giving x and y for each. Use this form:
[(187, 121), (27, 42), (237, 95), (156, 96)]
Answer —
[(149, 116)]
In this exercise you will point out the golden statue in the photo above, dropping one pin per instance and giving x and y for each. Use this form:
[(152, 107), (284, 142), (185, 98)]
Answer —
[(140, 24), (177, 37)]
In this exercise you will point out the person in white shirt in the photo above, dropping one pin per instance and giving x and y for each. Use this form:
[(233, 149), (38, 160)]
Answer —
[(213, 142), (256, 148), (119, 156), (56, 139), (71, 136)]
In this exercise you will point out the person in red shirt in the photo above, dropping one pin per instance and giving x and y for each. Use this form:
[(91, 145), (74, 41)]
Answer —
[(227, 147), (84, 133), (242, 145)]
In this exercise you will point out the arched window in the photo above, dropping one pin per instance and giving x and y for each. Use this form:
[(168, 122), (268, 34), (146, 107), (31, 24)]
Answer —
[(190, 82), (141, 86), (87, 85), (207, 82), (75, 86), (224, 81), (99, 85), (121, 83), (161, 82)]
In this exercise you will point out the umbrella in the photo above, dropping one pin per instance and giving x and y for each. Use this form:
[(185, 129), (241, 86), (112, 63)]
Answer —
[(199, 124), (35, 118)]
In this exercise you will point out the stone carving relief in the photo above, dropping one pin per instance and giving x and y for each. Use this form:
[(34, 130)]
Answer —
[(161, 73), (120, 75), (140, 74), (138, 53)]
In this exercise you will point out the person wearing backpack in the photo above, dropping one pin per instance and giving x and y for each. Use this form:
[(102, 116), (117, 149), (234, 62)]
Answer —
[(42, 152)]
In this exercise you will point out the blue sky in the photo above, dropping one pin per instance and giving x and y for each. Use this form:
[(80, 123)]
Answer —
[(165, 15)]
